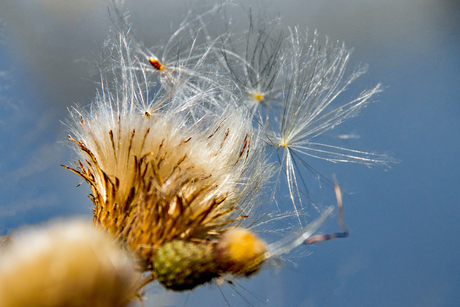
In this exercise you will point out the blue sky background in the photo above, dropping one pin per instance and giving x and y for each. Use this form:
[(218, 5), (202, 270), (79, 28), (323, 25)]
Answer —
[(403, 249)]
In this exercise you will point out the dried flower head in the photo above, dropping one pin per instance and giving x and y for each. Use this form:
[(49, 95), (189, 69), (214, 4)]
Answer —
[(169, 183), (176, 160), (65, 265)]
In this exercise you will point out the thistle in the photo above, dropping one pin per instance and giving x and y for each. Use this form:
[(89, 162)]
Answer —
[(164, 183), (176, 162), (41, 268)]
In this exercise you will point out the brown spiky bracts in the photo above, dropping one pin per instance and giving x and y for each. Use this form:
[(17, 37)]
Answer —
[(170, 183)]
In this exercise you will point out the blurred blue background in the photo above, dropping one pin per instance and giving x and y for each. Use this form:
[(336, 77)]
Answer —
[(404, 221)]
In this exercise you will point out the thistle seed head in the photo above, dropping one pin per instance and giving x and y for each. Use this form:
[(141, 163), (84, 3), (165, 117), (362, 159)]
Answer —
[(69, 265), (167, 184), (173, 146)]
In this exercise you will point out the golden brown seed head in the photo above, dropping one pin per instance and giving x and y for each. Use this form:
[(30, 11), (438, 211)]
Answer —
[(65, 265), (158, 183)]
